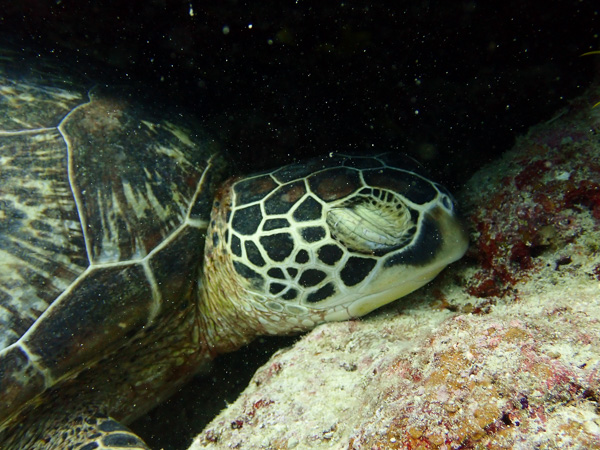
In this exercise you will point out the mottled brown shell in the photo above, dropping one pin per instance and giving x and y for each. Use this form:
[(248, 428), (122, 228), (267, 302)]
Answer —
[(103, 208)]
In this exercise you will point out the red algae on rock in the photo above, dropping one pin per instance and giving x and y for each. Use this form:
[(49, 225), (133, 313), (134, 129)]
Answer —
[(541, 200)]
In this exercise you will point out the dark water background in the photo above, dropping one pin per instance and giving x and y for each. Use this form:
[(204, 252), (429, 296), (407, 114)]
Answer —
[(452, 83)]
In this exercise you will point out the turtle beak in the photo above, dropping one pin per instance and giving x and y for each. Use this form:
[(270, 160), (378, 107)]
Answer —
[(442, 239)]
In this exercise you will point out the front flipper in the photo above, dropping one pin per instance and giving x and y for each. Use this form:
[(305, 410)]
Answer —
[(109, 434), (80, 431)]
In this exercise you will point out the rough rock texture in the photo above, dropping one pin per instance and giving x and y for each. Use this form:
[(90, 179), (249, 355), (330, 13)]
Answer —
[(502, 351)]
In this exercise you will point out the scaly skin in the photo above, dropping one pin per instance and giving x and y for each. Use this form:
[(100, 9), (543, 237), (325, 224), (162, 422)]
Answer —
[(230, 313), (225, 310)]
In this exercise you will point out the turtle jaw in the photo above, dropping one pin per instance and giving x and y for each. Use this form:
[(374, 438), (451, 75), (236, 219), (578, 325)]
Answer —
[(400, 275), (370, 302)]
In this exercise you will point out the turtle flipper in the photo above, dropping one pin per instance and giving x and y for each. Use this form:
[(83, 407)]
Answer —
[(80, 431), (110, 434)]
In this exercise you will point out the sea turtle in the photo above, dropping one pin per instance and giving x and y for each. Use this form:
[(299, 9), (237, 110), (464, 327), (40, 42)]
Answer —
[(127, 263)]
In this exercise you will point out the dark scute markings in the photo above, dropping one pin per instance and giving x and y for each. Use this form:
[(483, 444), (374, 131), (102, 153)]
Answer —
[(306, 168), (290, 294), (246, 220), (278, 246), (283, 198), (110, 425), (425, 246), (292, 172), (311, 277), (309, 209), (356, 269), (215, 239), (414, 215), (321, 294), (292, 272), (275, 224), (313, 234), (90, 446), (253, 254), (254, 189), (302, 257), (276, 272), (245, 271), (123, 440), (412, 187), (236, 245), (330, 254), (276, 288), (334, 184)]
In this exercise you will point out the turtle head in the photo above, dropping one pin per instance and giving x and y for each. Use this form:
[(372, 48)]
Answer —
[(331, 238)]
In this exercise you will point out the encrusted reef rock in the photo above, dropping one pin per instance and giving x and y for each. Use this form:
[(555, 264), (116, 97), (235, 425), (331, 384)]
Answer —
[(538, 208), (501, 351)]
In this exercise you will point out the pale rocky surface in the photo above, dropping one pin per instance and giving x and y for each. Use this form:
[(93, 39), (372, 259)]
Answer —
[(501, 351)]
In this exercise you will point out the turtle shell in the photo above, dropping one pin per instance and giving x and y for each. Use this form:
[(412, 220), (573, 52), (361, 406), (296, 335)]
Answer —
[(103, 208)]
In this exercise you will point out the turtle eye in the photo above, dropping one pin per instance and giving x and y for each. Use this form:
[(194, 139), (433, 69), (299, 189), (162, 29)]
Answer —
[(374, 224)]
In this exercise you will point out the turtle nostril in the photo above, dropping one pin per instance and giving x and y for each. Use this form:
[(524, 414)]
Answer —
[(447, 203), (370, 224)]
